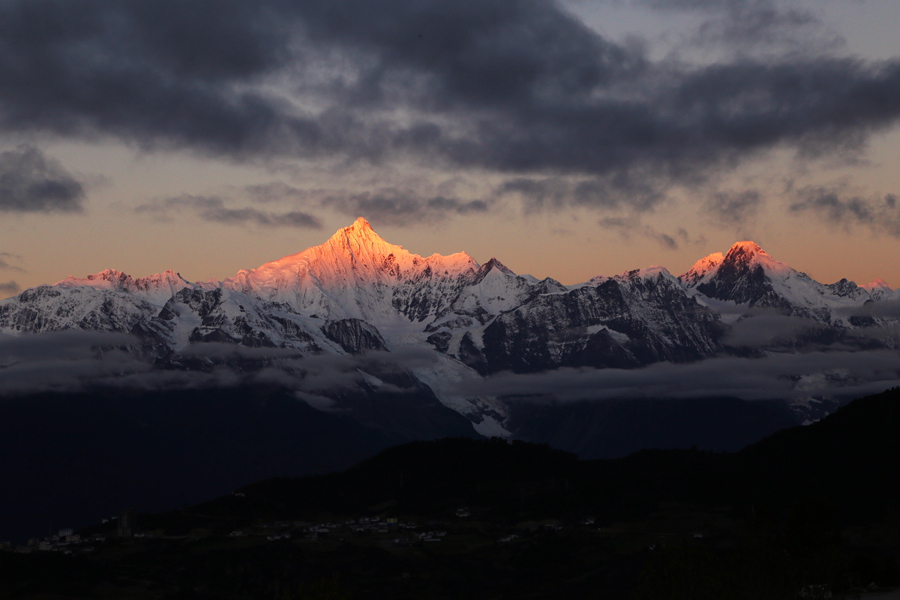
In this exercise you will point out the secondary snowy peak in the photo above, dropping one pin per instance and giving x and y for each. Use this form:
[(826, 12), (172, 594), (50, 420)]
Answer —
[(651, 272), (744, 274), (156, 289), (702, 270), (108, 279), (493, 265), (878, 289), (748, 275)]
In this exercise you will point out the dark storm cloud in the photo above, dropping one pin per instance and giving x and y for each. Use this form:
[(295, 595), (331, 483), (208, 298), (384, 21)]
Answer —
[(842, 209), (390, 206), (515, 86), (755, 25), (213, 209), (33, 182)]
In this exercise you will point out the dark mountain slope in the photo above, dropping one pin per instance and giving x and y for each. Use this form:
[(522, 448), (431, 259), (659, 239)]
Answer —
[(799, 512), (70, 459), (615, 428)]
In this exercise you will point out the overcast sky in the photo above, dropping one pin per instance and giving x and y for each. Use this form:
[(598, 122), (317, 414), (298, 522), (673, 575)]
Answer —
[(567, 139)]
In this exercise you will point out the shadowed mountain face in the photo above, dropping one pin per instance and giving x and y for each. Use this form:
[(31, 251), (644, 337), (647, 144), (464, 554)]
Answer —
[(616, 428), (75, 458)]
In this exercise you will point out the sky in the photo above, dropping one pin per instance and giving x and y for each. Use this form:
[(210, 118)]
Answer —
[(568, 139)]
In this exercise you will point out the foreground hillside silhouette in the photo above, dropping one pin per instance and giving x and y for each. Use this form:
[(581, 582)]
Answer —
[(72, 459), (811, 510)]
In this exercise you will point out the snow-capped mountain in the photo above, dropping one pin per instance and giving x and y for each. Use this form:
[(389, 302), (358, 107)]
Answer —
[(444, 322), (749, 281)]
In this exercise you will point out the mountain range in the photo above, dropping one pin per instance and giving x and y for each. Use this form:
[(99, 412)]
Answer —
[(357, 314)]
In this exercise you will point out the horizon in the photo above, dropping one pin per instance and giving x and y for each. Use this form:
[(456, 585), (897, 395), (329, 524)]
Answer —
[(570, 138), (175, 269)]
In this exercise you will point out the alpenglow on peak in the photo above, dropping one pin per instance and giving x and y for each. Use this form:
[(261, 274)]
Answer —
[(746, 247)]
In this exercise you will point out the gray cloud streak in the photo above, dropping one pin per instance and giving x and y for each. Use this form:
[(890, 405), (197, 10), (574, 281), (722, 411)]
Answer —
[(394, 206), (274, 191), (764, 26), (629, 226), (834, 205), (212, 208), (5, 264), (9, 288), (632, 225), (33, 182), (734, 208)]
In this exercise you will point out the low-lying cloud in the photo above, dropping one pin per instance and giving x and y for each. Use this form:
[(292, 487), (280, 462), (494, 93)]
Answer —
[(78, 361), (73, 361), (776, 376)]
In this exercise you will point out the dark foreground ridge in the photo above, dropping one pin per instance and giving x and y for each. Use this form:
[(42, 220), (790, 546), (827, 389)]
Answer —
[(71, 459), (807, 512)]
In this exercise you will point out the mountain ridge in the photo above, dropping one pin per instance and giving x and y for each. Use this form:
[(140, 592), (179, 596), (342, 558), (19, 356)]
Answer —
[(357, 234), (450, 323)]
